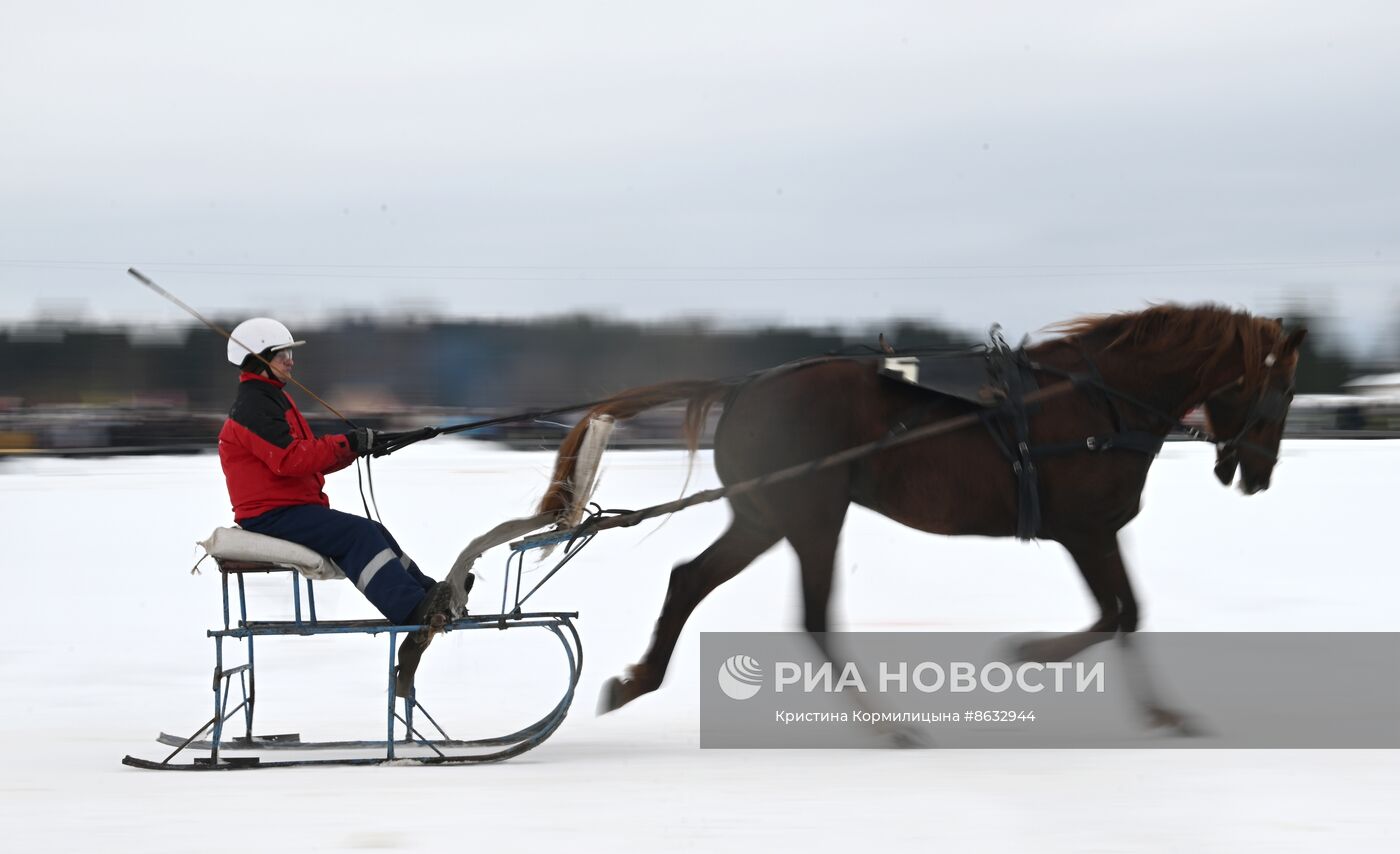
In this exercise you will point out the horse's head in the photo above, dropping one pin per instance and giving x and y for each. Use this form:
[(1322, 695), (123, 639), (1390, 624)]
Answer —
[(1246, 415)]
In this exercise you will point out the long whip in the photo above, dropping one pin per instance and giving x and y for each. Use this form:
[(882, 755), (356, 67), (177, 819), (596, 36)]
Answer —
[(143, 279), (391, 441)]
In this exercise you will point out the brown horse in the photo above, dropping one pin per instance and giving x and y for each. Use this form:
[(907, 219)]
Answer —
[(1153, 366)]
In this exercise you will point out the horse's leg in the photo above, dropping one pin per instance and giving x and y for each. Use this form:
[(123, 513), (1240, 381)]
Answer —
[(816, 553), (1100, 561), (690, 583), (1101, 565)]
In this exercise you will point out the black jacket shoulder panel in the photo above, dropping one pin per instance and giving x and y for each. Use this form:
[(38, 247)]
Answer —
[(262, 409)]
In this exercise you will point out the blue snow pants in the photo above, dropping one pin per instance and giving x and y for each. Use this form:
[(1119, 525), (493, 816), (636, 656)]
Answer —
[(363, 548)]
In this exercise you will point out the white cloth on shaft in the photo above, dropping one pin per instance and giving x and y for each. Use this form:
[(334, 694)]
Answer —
[(499, 535)]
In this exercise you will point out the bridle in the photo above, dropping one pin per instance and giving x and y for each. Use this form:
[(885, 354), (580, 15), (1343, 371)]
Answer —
[(1269, 406)]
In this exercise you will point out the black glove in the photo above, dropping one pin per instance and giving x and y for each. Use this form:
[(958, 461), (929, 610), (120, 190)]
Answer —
[(361, 440)]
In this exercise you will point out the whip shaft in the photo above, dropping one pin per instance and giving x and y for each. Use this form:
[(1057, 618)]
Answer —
[(143, 279)]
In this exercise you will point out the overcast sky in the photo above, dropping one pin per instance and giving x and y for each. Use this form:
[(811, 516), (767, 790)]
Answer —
[(755, 161)]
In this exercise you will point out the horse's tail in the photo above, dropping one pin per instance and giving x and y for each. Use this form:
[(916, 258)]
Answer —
[(567, 493)]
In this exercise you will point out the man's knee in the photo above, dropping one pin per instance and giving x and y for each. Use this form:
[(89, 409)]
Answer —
[(365, 528)]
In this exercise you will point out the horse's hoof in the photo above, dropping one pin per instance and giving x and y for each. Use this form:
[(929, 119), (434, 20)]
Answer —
[(908, 738), (613, 696), (1174, 721), (1037, 650)]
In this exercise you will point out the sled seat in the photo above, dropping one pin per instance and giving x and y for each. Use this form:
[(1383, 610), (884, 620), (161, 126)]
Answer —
[(236, 551)]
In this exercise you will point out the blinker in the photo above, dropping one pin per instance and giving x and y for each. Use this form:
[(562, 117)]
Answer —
[(1272, 406)]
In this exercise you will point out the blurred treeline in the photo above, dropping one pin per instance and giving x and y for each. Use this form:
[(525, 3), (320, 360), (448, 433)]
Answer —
[(378, 365), (382, 364)]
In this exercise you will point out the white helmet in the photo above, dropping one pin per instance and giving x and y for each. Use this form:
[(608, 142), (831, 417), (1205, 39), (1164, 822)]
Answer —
[(259, 334)]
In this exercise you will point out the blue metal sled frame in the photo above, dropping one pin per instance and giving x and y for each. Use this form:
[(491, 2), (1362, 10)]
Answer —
[(442, 750)]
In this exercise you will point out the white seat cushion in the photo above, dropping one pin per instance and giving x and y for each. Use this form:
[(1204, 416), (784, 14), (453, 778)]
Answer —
[(238, 544)]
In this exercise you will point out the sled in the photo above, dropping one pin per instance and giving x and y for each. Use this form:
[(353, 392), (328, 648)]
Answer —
[(411, 736)]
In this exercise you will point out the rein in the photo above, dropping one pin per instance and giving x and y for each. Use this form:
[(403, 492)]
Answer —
[(1264, 407), (1269, 404), (1261, 408), (627, 518), (387, 443)]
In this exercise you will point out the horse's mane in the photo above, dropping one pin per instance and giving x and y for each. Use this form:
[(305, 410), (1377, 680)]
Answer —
[(1176, 333)]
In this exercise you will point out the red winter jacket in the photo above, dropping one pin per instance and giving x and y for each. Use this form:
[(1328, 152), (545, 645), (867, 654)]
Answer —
[(270, 456)]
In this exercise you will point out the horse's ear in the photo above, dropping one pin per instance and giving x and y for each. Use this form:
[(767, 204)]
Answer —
[(1291, 345)]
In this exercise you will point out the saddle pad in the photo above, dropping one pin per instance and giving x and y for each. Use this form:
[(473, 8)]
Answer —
[(238, 544), (964, 376)]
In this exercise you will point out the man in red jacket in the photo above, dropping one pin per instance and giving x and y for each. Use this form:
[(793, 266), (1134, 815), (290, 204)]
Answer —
[(276, 467)]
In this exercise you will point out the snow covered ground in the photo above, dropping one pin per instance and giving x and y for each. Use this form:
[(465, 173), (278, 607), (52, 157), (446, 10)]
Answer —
[(103, 646)]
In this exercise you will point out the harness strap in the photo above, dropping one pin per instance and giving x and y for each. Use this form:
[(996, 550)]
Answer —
[(1232, 445), (1028, 481), (1125, 440), (1140, 441), (1009, 426), (1097, 382), (1012, 370), (1083, 379)]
